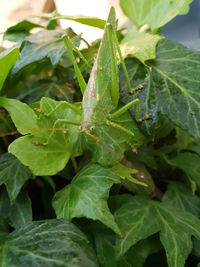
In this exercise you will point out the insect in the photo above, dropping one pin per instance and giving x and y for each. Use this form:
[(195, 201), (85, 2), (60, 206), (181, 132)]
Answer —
[(101, 94)]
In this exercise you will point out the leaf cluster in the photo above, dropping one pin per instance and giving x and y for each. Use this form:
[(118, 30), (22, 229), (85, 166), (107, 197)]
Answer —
[(99, 146)]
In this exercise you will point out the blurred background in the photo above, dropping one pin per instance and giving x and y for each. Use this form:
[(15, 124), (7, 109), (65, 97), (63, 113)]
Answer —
[(184, 29)]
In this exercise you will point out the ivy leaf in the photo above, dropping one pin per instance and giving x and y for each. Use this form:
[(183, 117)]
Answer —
[(41, 45), (17, 214), (155, 13), (47, 243), (147, 186), (181, 197), (125, 172), (33, 92), (6, 63), (141, 45), (105, 247), (48, 148), (140, 85), (13, 174), (189, 163), (22, 115), (20, 30), (139, 218), (176, 86), (87, 195), (170, 88)]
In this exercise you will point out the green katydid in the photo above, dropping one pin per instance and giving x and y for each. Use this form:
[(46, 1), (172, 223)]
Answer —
[(101, 94), (103, 83)]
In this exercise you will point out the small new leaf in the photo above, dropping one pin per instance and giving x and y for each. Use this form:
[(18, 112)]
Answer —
[(126, 173)]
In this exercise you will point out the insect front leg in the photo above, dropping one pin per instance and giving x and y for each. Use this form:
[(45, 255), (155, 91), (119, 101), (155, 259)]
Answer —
[(123, 109)]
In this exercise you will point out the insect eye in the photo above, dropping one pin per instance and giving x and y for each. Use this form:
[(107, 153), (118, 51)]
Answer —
[(92, 128)]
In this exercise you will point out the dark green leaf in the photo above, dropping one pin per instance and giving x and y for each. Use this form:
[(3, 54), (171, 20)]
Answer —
[(189, 163), (179, 196), (17, 214), (13, 174), (87, 196), (140, 85), (176, 82), (136, 256), (171, 86), (47, 243), (33, 92), (139, 218), (41, 45)]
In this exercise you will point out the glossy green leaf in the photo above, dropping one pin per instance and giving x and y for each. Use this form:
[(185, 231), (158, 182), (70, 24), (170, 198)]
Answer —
[(105, 248), (138, 74), (17, 214), (155, 13), (176, 73), (146, 217), (6, 63), (34, 91), (47, 243), (41, 45), (13, 174), (47, 150), (180, 196), (189, 163), (87, 196), (170, 87), (141, 45)]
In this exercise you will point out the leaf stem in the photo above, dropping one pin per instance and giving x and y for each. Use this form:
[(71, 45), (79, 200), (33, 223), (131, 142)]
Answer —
[(74, 163)]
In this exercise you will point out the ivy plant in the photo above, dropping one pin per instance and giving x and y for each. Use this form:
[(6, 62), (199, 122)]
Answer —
[(99, 146)]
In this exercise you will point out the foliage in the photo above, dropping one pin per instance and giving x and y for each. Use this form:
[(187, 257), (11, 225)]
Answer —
[(99, 146)]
